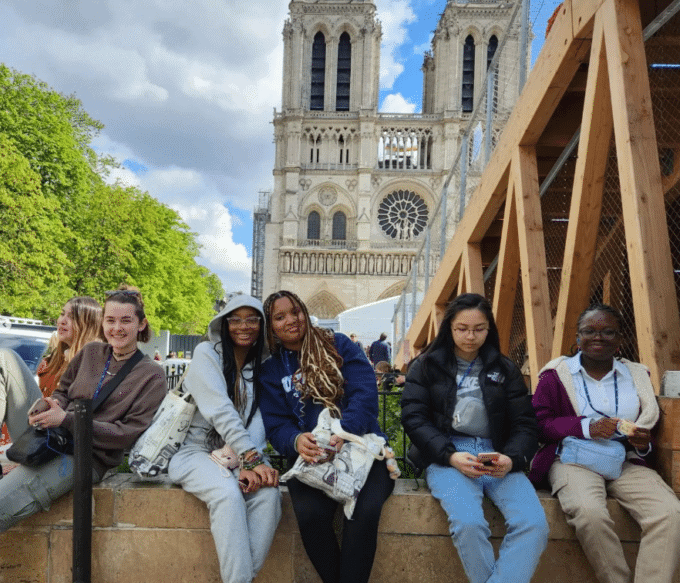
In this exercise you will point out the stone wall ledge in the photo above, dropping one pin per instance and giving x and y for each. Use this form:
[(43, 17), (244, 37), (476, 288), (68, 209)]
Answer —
[(152, 531)]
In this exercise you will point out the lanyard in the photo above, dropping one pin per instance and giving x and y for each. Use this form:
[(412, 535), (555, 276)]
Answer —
[(101, 380), (616, 396), (467, 372)]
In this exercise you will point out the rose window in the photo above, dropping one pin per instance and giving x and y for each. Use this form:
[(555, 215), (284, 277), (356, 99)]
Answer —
[(402, 214)]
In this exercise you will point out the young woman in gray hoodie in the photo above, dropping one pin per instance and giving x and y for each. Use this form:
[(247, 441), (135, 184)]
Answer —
[(244, 502)]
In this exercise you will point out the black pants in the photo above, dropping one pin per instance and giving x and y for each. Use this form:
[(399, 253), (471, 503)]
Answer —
[(315, 511)]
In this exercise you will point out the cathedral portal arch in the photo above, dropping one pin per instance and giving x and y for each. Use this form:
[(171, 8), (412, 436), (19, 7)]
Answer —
[(324, 305)]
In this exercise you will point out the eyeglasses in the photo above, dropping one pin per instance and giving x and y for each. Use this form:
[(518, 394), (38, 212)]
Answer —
[(123, 292), (250, 321), (606, 334), (475, 331)]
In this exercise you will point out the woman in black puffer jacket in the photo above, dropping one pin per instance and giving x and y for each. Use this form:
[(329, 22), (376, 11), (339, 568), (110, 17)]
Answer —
[(468, 414)]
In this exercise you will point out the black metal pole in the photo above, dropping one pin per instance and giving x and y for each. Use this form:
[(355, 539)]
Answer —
[(82, 492)]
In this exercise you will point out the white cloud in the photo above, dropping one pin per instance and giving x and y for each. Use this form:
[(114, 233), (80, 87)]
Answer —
[(396, 103), (421, 49), (394, 16), (197, 200)]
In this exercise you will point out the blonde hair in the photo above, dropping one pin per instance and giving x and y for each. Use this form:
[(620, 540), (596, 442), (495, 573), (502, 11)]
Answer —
[(319, 377), (86, 318)]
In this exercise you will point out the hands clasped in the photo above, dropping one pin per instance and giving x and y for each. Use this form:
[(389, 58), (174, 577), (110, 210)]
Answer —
[(261, 476)]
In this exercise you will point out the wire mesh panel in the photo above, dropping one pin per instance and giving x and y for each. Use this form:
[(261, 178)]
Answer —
[(610, 280), (663, 61)]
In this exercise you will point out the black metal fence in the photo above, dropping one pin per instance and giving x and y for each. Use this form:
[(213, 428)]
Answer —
[(173, 373)]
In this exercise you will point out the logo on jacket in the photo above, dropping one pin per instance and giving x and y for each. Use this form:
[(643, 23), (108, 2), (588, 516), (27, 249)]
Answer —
[(496, 377)]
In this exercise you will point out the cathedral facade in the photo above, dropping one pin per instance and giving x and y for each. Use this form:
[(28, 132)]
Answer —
[(355, 188)]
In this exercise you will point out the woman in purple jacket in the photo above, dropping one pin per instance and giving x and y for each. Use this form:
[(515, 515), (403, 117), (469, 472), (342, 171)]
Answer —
[(594, 395)]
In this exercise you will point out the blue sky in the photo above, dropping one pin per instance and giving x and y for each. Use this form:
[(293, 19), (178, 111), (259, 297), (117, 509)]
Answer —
[(186, 94)]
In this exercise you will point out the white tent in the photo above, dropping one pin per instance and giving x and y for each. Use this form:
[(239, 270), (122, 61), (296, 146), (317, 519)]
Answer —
[(369, 320)]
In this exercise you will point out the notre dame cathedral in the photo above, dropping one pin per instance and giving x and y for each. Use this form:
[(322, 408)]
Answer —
[(354, 188)]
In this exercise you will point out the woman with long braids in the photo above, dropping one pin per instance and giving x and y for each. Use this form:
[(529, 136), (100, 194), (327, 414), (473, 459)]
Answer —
[(595, 397), (312, 368), (221, 461)]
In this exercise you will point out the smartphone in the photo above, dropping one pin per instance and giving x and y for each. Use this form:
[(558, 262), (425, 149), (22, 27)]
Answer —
[(328, 454), (40, 406), (487, 458)]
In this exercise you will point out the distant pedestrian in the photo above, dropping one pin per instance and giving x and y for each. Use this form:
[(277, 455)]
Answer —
[(353, 338), (380, 350)]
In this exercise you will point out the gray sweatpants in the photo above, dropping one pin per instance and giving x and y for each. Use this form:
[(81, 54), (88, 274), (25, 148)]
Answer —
[(25, 491), (242, 525)]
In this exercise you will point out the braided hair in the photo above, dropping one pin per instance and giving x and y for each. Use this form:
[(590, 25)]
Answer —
[(319, 378), (607, 309)]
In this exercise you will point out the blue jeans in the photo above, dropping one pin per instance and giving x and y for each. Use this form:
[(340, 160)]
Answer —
[(461, 498)]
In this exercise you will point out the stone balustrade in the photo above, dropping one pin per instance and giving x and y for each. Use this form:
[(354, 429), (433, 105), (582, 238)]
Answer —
[(321, 261)]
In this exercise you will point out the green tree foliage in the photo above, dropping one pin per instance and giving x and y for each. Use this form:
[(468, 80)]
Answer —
[(130, 237), (51, 131), (64, 231), (32, 280)]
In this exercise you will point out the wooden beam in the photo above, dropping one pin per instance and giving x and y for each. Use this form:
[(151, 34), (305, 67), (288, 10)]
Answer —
[(652, 283), (473, 268), (462, 278), (532, 258), (586, 199), (560, 58), (507, 273)]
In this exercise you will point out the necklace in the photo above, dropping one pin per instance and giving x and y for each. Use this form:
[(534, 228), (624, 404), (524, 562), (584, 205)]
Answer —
[(122, 354)]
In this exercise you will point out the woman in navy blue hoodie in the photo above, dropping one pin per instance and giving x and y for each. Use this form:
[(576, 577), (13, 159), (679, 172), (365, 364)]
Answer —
[(312, 368)]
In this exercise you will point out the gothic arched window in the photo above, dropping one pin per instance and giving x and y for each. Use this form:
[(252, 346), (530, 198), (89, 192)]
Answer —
[(314, 226), (339, 226), (318, 71), (344, 73), (490, 52), (468, 74)]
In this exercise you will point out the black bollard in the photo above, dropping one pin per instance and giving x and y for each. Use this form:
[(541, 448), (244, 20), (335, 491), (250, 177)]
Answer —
[(82, 492)]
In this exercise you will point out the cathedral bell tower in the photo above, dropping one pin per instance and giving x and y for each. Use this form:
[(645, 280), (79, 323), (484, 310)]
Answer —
[(331, 56)]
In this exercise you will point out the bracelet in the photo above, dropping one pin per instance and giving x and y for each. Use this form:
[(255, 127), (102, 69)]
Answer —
[(295, 442), (250, 459)]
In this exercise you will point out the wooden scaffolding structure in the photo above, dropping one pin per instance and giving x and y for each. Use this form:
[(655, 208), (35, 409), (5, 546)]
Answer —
[(594, 74)]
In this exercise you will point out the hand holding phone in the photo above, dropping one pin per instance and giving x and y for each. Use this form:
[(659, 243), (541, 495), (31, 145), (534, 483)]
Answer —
[(40, 406), (487, 458)]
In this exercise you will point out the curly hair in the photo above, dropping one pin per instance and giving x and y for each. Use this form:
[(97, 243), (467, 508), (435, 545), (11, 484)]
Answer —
[(319, 377)]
